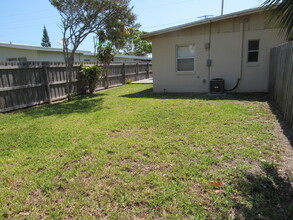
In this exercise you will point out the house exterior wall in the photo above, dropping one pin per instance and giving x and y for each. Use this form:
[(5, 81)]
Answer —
[(55, 57), (34, 55), (228, 52), (89, 58), (118, 59), (7, 52)]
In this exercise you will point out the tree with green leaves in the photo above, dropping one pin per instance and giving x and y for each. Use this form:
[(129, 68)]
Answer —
[(106, 53), (111, 40), (79, 18), (45, 39), (135, 45), (282, 14)]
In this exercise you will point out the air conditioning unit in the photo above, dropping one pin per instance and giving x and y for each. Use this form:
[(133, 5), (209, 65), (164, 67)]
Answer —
[(217, 86)]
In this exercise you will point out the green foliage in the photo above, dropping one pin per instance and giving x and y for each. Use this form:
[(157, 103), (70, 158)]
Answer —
[(45, 40), (112, 39), (106, 52), (135, 45), (79, 18), (90, 76), (282, 14)]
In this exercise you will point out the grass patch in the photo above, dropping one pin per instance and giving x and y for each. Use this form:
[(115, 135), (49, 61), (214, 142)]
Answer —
[(126, 153)]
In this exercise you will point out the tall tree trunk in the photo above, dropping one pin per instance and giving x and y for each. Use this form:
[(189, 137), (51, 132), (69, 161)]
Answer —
[(69, 86)]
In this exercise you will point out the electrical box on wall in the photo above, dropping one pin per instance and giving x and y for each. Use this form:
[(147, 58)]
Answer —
[(209, 62), (207, 46)]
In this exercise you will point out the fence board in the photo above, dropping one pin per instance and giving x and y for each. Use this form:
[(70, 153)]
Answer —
[(24, 84), (281, 79)]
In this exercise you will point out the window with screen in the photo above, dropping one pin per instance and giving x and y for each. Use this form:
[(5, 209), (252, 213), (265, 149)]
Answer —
[(253, 51), (185, 58)]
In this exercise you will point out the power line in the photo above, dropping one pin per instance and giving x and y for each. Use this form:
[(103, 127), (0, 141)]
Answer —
[(162, 5), (136, 1), (173, 23), (26, 26), (26, 13), (24, 20)]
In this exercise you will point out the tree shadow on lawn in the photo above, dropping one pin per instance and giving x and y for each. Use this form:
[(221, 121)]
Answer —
[(286, 128), (264, 196), (80, 104), (148, 93)]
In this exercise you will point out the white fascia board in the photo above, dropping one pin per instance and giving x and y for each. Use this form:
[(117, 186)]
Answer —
[(201, 22)]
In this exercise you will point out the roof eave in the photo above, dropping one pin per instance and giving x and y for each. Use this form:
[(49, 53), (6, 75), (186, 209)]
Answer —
[(148, 36)]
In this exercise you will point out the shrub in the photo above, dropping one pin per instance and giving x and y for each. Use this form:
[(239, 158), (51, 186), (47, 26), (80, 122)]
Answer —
[(90, 76)]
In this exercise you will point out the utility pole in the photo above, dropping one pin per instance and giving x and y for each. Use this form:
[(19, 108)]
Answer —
[(222, 11)]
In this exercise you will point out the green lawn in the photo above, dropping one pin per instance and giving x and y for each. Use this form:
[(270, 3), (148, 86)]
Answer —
[(126, 153)]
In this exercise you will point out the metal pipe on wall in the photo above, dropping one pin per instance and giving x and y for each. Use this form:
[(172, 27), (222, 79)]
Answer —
[(222, 10)]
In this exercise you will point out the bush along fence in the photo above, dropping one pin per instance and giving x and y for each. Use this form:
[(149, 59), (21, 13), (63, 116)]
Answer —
[(33, 83), (281, 79)]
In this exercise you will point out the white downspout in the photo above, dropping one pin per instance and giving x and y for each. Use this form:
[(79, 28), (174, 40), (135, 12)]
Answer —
[(209, 51), (241, 58)]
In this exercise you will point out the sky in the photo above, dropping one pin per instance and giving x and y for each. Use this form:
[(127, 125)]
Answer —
[(22, 21)]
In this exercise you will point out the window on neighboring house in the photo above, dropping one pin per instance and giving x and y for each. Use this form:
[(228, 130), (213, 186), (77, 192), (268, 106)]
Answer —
[(253, 51), (185, 58), (12, 59), (22, 59), (19, 59), (87, 60)]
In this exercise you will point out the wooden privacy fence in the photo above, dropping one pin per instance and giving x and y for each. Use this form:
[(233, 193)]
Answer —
[(281, 79), (33, 83)]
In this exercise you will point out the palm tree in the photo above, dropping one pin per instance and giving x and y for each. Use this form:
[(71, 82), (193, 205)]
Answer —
[(282, 14)]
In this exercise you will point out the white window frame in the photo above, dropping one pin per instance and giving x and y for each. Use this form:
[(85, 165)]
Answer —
[(249, 51), (177, 58)]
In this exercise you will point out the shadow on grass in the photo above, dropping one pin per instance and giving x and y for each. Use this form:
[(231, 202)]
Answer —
[(148, 93), (265, 196), (286, 128), (80, 104)]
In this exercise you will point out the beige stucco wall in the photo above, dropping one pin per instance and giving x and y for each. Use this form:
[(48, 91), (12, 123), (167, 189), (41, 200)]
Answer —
[(226, 51)]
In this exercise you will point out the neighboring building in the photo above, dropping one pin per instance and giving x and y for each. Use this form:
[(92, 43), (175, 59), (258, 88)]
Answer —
[(23, 53), (231, 47)]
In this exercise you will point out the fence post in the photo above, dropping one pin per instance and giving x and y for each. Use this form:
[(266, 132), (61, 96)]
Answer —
[(148, 71), (123, 74), (136, 76), (104, 77), (46, 81)]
